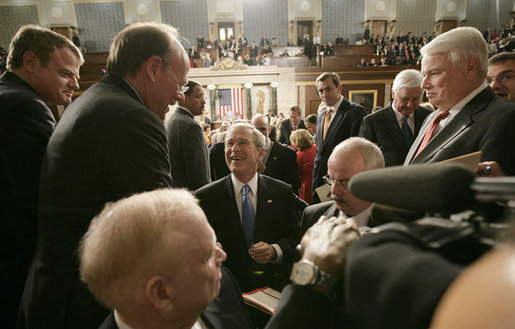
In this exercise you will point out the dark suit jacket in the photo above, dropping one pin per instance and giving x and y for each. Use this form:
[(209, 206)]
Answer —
[(282, 165), (107, 146), (276, 222), (485, 124), (286, 129), (217, 161), (26, 124), (391, 281), (382, 128), (345, 124), (187, 147), (313, 213), (226, 311)]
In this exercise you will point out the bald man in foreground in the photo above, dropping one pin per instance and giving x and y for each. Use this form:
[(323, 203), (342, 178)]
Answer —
[(165, 267)]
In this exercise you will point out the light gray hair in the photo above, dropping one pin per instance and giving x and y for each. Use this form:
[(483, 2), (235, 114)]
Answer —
[(372, 155), (407, 79), (460, 44)]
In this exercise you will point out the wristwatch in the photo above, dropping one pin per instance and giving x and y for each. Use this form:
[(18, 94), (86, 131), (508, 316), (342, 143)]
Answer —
[(306, 273)]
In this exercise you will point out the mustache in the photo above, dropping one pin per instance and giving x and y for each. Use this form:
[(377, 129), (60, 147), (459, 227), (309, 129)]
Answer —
[(336, 198)]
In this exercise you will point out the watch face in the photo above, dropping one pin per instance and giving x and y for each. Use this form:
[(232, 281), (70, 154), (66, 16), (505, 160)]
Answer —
[(302, 273)]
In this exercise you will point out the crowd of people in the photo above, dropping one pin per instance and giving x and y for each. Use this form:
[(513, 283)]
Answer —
[(114, 218)]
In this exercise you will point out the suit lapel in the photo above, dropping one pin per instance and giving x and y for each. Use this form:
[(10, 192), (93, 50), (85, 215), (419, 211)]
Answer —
[(338, 117), (229, 205), (264, 211), (332, 211), (460, 122), (420, 137), (392, 127)]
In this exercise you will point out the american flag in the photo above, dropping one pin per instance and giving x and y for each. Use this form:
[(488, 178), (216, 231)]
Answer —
[(231, 99)]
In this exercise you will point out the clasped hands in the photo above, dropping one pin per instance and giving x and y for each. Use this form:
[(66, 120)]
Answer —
[(263, 252), (326, 243)]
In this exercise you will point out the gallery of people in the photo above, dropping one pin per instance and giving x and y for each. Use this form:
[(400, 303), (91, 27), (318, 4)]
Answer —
[(257, 164)]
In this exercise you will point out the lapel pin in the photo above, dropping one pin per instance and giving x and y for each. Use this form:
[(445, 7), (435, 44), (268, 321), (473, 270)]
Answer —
[(268, 201)]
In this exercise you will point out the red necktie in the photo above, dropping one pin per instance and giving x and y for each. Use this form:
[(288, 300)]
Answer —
[(429, 133), (294, 128)]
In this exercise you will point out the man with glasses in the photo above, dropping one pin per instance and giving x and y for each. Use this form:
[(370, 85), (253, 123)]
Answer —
[(110, 143), (187, 145), (501, 75), (395, 127), (350, 157)]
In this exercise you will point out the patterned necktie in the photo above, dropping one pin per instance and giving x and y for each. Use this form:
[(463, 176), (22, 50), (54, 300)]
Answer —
[(248, 216), (406, 131), (327, 120), (429, 133)]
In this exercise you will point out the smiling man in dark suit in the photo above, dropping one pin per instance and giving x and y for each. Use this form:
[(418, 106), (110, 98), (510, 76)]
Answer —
[(395, 127), (339, 120), (110, 143), (253, 215), (470, 117)]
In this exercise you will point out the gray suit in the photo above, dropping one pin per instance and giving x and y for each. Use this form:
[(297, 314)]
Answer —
[(187, 146), (383, 129), (484, 124)]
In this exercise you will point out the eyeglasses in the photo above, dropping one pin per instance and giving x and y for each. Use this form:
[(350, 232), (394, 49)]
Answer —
[(502, 79), (343, 182), (183, 86)]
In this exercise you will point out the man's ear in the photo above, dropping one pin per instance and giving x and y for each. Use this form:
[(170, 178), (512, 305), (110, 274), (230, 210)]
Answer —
[(160, 293), (154, 66), (471, 66), (261, 154), (30, 61)]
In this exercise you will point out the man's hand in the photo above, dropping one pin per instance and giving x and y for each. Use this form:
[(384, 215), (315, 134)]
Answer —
[(263, 253), (326, 242), (489, 169)]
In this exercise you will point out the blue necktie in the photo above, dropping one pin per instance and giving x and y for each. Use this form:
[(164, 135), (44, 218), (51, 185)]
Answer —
[(406, 132), (248, 216)]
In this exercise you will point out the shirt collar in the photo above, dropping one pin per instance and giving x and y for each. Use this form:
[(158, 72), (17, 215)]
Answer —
[(461, 104), (237, 185), (399, 115), (336, 105), (119, 322), (361, 219)]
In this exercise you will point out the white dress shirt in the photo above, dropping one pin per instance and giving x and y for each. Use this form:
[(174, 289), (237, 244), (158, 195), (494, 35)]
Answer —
[(400, 119), (238, 195), (199, 324), (458, 107), (335, 108)]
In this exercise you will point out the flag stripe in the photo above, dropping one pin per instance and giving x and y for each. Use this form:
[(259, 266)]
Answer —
[(231, 99)]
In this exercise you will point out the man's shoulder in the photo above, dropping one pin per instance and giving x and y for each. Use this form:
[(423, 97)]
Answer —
[(213, 186), (181, 119), (318, 208), (382, 114), (273, 183), (347, 105), (280, 148)]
